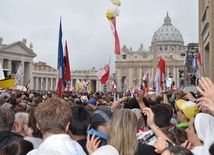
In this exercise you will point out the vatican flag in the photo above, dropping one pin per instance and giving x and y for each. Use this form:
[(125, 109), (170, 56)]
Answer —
[(79, 86)]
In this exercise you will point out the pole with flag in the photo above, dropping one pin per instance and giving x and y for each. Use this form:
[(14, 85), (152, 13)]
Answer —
[(160, 74), (67, 64), (60, 64), (113, 87), (116, 37), (19, 73), (27, 85), (104, 72)]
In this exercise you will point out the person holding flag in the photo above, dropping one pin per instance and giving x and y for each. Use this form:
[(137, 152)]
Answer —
[(160, 75)]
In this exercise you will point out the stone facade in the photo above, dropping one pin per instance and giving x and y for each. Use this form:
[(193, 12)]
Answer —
[(134, 64), (43, 76), (206, 36), (11, 55)]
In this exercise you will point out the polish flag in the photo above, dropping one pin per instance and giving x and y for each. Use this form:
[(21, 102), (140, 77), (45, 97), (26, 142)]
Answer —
[(104, 72), (160, 75), (116, 37), (199, 57), (113, 86), (146, 76)]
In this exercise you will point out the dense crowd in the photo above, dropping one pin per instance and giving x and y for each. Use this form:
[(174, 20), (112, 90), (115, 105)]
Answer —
[(177, 122)]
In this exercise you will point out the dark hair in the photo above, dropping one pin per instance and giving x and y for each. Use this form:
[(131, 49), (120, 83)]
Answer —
[(7, 117), (163, 115), (17, 147), (211, 149), (178, 150), (32, 124), (80, 120)]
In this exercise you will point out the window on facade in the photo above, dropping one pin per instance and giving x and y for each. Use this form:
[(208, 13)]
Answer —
[(124, 56), (135, 57)]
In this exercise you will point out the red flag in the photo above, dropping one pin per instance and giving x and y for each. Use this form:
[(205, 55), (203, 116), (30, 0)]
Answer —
[(103, 73), (160, 74), (67, 64), (199, 57), (113, 86), (116, 37), (146, 76), (27, 85)]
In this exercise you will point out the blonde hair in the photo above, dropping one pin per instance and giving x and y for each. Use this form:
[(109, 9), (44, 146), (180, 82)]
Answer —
[(123, 132)]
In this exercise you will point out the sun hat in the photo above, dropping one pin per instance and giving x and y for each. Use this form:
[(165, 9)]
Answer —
[(189, 108), (84, 99)]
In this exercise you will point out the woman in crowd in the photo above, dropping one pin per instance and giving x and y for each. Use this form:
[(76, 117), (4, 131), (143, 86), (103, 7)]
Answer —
[(31, 132)]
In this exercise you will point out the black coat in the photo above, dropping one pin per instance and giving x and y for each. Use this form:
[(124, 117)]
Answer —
[(7, 137)]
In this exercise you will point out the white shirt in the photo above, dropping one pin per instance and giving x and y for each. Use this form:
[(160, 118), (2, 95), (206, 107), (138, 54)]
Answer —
[(197, 150), (58, 144)]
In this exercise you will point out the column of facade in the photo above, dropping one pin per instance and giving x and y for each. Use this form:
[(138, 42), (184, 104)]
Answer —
[(46, 82), (56, 83), (140, 77), (37, 83), (130, 77), (51, 88), (22, 78), (167, 72), (1, 61), (41, 83), (177, 78), (97, 85), (9, 66)]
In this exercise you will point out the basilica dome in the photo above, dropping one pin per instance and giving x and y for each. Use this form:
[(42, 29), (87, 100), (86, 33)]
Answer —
[(167, 33)]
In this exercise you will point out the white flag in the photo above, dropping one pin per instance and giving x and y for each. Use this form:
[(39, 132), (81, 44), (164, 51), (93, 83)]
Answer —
[(19, 73)]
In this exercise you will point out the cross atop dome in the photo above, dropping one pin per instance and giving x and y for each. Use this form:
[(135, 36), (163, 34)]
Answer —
[(167, 20)]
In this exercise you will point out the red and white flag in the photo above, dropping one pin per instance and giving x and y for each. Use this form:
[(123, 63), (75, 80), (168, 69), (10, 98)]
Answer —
[(160, 74), (116, 37), (146, 76), (67, 64), (113, 87), (200, 57), (104, 72), (87, 83)]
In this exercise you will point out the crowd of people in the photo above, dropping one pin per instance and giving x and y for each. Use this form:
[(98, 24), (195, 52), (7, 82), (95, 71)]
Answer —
[(176, 122)]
